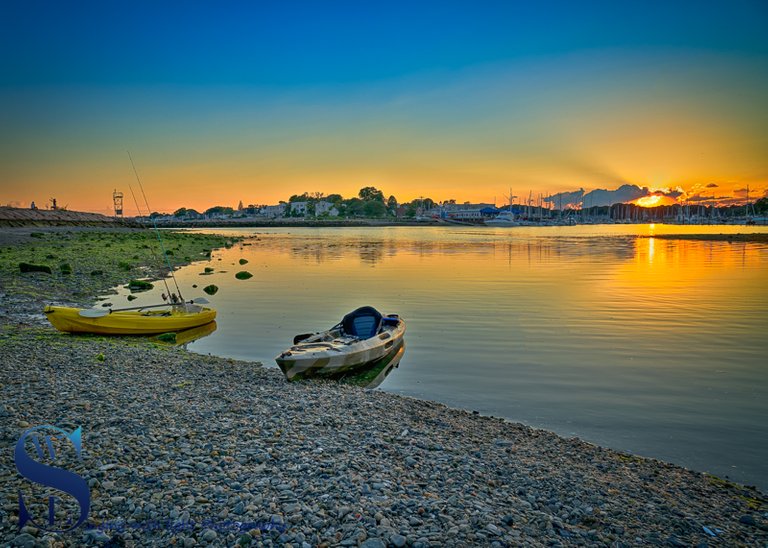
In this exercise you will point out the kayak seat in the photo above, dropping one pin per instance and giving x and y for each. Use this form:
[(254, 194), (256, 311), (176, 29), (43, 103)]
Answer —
[(364, 322)]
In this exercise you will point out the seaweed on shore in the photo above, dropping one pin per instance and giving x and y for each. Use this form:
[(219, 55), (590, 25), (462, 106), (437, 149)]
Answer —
[(29, 267), (89, 262), (139, 285)]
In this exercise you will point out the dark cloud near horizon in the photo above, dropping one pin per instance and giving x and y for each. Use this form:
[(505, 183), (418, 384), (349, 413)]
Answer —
[(566, 199), (701, 198), (604, 197), (628, 193), (600, 196)]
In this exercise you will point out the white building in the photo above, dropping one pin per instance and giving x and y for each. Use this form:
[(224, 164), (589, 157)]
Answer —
[(273, 211), (299, 208), (324, 207)]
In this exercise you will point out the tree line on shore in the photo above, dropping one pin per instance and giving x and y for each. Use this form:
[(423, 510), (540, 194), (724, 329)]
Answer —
[(369, 202)]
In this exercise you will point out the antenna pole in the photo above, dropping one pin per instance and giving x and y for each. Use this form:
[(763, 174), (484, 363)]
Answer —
[(154, 224), (151, 249)]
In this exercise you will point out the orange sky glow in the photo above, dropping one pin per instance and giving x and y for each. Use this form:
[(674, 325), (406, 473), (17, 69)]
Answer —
[(588, 121)]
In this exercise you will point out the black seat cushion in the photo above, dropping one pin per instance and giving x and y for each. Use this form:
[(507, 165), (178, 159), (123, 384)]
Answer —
[(364, 322)]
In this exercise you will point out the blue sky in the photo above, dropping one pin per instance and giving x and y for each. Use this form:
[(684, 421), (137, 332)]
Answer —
[(306, 43)]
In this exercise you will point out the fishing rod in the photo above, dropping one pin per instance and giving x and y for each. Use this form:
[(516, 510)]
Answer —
[(101, 312), (154, 224), (151, 249)]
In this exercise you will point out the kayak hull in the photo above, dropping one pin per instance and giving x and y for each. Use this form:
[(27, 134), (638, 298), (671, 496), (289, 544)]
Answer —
[(129, 322), (374, 373), (328, 355)]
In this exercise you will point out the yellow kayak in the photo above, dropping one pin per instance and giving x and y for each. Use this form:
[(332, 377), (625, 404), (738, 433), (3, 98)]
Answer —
[(130, 322)]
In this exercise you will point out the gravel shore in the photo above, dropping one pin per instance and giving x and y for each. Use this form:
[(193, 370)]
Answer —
[(184, 449)]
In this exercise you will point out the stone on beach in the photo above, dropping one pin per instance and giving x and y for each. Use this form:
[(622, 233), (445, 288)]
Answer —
[(320, 462)]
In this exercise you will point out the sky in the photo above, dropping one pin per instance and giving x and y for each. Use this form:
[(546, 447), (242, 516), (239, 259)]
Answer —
[(472, 101)]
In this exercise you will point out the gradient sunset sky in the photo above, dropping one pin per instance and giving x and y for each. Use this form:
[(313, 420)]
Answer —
[(255, 101)]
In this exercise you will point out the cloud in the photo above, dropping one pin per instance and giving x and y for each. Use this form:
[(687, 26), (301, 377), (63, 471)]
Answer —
[(566, 200), (701, 198), (629, 193), (601, 196)]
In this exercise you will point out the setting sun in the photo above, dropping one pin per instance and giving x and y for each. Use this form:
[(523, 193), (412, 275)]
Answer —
[(654, 200)]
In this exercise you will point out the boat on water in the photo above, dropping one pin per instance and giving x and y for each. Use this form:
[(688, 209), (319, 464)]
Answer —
[(505, 218), (363, 340), (141, 321)]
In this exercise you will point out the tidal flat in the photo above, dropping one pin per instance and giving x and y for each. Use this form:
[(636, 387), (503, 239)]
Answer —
[(187, 449), (85, 262)]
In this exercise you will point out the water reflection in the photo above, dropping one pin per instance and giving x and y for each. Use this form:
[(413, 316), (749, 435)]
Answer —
[(372, 251), (375, 374), (645, 344), (182, 338)]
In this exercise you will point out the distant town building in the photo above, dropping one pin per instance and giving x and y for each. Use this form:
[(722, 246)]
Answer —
[(323, 208), (463, 212), (273, 211), (299, 208)]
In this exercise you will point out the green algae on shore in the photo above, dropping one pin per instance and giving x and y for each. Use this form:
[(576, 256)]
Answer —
[(91, 261)]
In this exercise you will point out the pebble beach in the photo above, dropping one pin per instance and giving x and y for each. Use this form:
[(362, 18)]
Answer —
[(184, 449)]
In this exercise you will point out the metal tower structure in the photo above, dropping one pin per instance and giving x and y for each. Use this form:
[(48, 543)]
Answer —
[(117, 200)]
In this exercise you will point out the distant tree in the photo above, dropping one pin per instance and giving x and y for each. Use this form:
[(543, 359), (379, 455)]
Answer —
[(353, 207), (181, 212), (334, 198), (374, 208), (299, 197), (392, 204), (761, 205), (369, 193), (418, 206), (240, 206), (219, 210)]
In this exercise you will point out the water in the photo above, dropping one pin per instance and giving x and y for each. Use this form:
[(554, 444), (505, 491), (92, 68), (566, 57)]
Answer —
[(652, 346)]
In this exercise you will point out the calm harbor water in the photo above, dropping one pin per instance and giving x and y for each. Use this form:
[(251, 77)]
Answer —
[(652, 346)]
